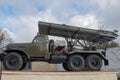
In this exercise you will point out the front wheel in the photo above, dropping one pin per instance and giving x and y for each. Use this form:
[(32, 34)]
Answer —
[(13, 61), (23, 66), (93, 62)]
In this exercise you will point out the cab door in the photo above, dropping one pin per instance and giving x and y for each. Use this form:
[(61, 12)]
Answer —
[(39, 46)]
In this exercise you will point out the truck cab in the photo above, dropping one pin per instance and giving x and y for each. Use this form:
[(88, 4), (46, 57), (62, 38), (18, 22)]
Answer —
[(41, 49), (39, 46)]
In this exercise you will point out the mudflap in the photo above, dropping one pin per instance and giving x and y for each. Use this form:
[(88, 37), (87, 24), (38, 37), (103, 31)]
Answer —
[(106, 62)]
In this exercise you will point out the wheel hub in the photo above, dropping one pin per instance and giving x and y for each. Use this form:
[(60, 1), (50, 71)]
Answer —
[(76, 62), (13, 61), (94, 61)]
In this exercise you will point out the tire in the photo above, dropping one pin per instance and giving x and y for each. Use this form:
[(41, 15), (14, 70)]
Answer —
[(23, 66), (65, 66), (13, 61), (76, 63), (93, 62)]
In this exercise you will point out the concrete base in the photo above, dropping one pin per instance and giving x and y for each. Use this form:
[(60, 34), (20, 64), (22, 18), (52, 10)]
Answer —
[(37, 66), (43, 66), (22, 75)]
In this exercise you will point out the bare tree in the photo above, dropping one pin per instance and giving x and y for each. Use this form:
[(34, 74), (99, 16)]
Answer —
[(4, 39)]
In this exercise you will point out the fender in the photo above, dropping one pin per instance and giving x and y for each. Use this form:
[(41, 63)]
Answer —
[(17, 50)]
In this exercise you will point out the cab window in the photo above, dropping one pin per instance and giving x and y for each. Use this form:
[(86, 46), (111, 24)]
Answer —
[(39, 40)]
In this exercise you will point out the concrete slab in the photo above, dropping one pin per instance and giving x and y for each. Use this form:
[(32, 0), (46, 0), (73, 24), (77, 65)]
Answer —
[(23, 75), (37, 66), (43, 66)]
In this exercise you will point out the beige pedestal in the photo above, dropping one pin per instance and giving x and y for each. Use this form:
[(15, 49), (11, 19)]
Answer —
[(38, 66), (43, 66), (13, 75)]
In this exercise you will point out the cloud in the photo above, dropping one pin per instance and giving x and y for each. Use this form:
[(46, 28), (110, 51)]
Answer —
[(27, 7), (24, 15), (86, 21), (21, 7), (105, 10), (105, 4), (24, 28), (21, 28), (109, 12)]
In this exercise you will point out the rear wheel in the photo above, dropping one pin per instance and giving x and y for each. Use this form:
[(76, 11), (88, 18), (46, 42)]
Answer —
[(13, 61), (76, 63), (93, 62), (65, 66)]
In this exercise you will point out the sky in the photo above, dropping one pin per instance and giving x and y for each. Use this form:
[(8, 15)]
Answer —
[(20, 17)]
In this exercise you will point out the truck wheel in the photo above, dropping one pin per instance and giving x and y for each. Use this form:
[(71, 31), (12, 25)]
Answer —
[(65, 66), (23, 66), (76, 63), (13, 61), (93, 62)]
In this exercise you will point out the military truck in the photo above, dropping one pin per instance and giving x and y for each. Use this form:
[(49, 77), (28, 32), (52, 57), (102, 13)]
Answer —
[(86, 57)]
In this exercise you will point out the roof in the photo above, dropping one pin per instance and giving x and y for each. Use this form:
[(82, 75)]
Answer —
[(74, 32)]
